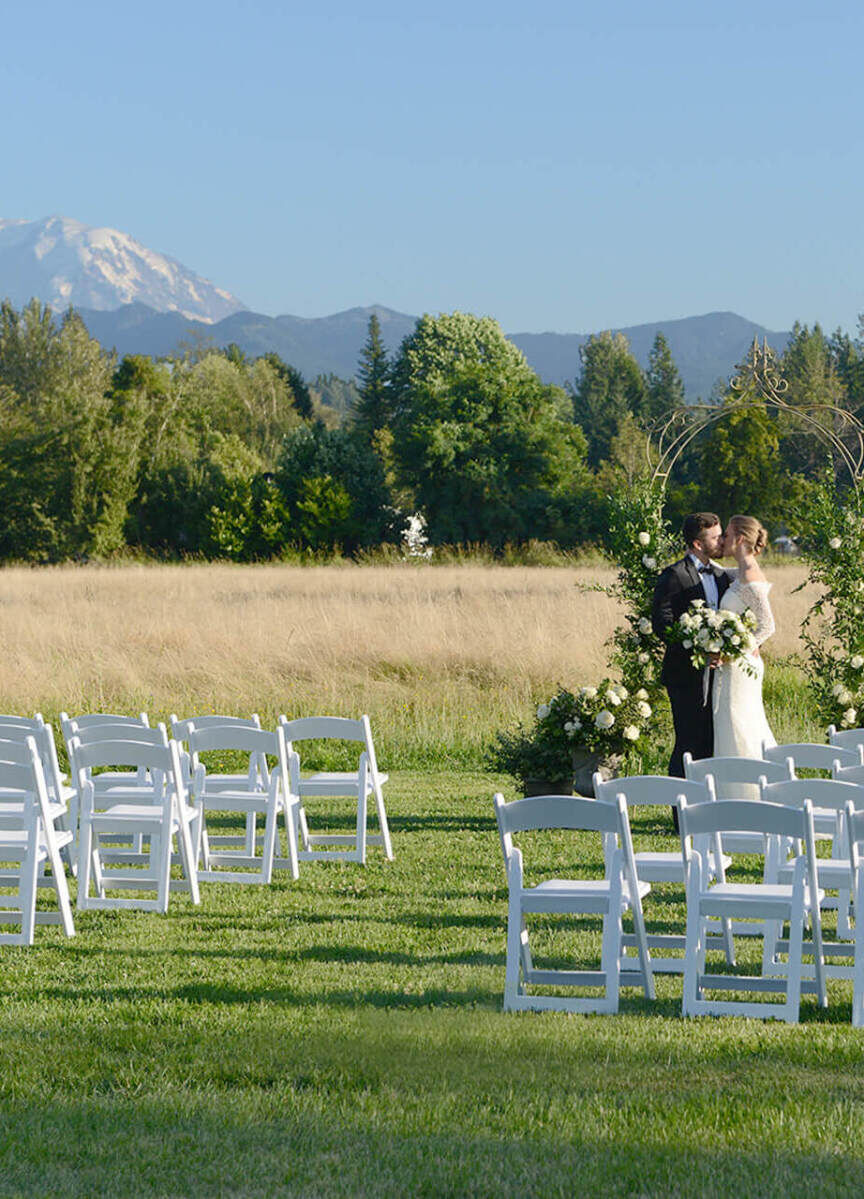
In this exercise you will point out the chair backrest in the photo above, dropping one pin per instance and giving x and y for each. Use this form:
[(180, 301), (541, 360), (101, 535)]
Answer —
[(743, 815), (811, 755), (43, 735), (738, 770), (25, 778), (143, 734), (844, 774), (641, 789), (88, 718), (822, 793), (854, 825), (161, 763), (244, 738), (180, 728), (339, 728), (24, 722), (556, 812), (848, 738)]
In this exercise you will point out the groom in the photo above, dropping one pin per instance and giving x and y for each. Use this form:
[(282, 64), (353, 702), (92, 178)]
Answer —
[(694, 577)]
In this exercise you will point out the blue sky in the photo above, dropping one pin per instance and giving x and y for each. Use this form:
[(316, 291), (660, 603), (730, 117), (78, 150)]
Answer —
[(564, 166)]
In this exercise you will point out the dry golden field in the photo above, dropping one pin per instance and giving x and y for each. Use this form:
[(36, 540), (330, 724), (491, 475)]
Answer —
[(436, 654)]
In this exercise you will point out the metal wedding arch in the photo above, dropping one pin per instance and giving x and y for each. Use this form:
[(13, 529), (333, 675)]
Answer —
[(759, 385)]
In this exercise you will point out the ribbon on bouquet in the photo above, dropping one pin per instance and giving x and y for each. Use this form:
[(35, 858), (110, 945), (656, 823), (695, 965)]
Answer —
[(706, 683)]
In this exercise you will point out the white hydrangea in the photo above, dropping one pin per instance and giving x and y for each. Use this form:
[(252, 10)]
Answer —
[(714, 647), (849, 717), (644, 624), (644, 658), (644, 538), (542, 711), (835, 543), (604, 719), (856, 661), (837, 689), (613, 697), (588, 692), (845, 697), (648, 562), (687, 643), (643, 709), (641, 693), (631, 733), (620, 690)]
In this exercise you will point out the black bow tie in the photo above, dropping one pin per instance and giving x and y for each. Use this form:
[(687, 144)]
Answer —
[(705, 570)]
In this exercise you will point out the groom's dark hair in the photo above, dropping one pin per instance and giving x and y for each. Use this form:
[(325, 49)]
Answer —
[(696, 523)]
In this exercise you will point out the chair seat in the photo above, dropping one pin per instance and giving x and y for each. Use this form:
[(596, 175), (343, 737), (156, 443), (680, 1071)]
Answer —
[(581, 888), (240, 801), (137, 814), (335, 782), (771, 899), (665, 867), (832, 873)]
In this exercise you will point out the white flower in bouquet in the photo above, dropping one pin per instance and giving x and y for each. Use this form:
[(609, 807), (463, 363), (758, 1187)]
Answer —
[(604, 719), (588, 692), (845, 697), (849, 717), (644, 625), (542, 711), (856, 661), (643, 709), (648, 562), (641, 693), (835, 543), (687, 643), (644, 538), (735, 639), (697, 604), (644, 658), (631, 733), (715, 646), (620, 690), (613, 697), (837, 689)]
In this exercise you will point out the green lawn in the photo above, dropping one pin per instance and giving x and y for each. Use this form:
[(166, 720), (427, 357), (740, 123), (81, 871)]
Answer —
[(344, 1035)]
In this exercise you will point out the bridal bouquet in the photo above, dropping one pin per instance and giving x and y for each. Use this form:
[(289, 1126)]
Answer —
[(706, 631)]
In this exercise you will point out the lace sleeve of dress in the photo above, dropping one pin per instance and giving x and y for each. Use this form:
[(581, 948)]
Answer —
[(755, 596)]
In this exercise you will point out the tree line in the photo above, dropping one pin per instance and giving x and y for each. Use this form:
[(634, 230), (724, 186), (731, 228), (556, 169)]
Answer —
[(215, 454)]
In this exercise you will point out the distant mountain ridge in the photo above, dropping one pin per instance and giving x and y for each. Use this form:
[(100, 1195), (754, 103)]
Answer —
[(65, 262), (705, 348), (138, 301)]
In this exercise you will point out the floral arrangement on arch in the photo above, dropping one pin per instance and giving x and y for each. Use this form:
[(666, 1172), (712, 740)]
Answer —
[(833, 631), (641, 543)]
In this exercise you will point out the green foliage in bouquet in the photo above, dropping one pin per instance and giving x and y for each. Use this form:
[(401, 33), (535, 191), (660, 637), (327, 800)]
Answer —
[(833, 632)]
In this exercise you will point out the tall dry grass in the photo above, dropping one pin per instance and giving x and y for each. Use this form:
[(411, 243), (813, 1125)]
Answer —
[(437, 656)]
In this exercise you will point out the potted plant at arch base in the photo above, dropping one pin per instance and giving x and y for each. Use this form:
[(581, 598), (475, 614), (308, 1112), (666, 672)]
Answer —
[(573, 735)]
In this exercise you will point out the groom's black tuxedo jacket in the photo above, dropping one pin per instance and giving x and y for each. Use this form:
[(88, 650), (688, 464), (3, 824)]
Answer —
[(677, 587)]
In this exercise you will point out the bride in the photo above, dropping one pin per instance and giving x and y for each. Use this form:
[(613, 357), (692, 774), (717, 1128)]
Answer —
[(740, 725)]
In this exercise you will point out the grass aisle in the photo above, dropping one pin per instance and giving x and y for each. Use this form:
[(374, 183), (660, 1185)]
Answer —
[(343, 1035)]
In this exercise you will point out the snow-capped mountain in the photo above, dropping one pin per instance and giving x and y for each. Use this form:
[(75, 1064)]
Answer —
[(63, 262)]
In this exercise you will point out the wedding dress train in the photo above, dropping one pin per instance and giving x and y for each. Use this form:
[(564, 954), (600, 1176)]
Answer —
[(740, 724)]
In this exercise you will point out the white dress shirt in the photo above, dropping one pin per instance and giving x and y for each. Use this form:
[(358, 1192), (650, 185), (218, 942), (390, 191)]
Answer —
[(708, 581)]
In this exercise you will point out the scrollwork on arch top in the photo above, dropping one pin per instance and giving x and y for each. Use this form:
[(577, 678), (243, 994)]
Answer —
[(759, 384)]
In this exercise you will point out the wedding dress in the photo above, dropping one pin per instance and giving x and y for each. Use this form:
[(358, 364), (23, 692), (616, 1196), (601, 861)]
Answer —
[(740, 724)]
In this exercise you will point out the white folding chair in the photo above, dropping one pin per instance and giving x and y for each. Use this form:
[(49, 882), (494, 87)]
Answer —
[(608, 897), (359, 784), (660, 866), (739, 778), (29, 842), (224, 781), (833, 874), (63, 798), (263, 792), (854, 829), (848, 738), (812, 755), (769, 902), (158, 818)]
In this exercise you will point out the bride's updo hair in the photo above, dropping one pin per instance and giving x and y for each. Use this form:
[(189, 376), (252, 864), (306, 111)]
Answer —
[(752, 533)]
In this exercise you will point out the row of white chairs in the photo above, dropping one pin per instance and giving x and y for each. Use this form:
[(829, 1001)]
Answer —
[(137, 801), (781, 822)]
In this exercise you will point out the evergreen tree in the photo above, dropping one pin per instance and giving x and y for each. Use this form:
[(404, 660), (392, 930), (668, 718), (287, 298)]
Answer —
[(664, 389), (611, 386), (372, 412)]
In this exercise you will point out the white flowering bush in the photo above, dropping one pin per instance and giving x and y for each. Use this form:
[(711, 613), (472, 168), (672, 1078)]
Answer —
[(705, 631), (833, 632)]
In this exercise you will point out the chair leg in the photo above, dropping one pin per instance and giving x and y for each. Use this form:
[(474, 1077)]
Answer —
[(269, 846), (361, 825), (512, 984), (160, 848), (612, 936), (188, 859), (27, 889), (250, 834), (382, 821), (858, 973), (796, 947), (85, 861), (289, 817)]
